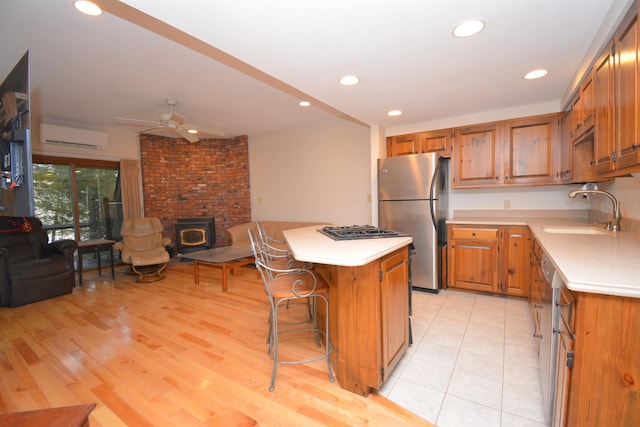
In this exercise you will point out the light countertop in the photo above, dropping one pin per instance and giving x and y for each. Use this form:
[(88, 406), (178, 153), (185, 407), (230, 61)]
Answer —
[(309, 245), (607, 263)]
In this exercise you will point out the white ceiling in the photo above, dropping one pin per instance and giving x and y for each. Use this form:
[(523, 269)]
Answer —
[(260, 57)]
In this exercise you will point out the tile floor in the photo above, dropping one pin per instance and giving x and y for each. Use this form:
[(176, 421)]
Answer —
[(473, 363)]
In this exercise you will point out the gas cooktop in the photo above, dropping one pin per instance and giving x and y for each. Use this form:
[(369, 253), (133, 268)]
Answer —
[(356, 232)]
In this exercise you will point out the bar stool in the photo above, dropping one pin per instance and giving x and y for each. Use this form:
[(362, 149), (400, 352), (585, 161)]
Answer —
[(292, 284)]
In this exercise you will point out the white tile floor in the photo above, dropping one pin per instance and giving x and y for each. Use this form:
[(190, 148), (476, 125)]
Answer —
[(473, 363)]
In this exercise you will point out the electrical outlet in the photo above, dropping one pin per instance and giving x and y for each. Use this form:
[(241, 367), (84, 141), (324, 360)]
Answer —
[(507, 204)]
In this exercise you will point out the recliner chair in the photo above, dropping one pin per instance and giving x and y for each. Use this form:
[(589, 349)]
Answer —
[(31, 268), (143, 247)]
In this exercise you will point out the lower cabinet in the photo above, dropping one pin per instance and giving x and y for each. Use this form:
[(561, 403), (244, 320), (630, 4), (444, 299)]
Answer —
[(369, 313), (493, 259), (603, 380)]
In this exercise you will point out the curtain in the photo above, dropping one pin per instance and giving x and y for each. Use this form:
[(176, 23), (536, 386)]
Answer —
[(130, 182)]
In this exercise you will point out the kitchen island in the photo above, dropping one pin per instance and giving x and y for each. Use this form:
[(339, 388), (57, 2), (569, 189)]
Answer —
[(369, 302)]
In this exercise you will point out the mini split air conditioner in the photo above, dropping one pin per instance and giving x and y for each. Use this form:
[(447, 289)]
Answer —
[(72, 137)]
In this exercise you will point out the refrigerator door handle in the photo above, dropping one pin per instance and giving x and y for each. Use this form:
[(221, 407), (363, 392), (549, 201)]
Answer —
[(434, 180)]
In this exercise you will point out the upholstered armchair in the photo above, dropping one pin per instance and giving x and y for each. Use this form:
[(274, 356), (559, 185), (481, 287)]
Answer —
[(143, 247), (31, 268)]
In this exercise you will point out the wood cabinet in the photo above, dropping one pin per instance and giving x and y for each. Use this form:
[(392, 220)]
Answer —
[(627, 93), (477, 155), (617, 102), (605, 374), (519, 151), (532, 150), (566, 148), (473, 258), (515, 259), (369, 316), (423, 142), (536, 290), (489, 259), (603, 98), (582, 111)]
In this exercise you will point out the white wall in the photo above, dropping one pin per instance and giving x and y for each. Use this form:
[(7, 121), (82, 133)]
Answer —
[(549, 197), (627, 191), (318, 172)]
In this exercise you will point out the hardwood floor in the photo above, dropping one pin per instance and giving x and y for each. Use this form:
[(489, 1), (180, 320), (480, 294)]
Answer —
[(171, 353)]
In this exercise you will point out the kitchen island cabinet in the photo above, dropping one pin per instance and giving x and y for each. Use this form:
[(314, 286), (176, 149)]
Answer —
[(368, 303)]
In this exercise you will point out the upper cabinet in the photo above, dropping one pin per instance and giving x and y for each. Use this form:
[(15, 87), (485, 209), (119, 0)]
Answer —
[(582, 111), (477, 155), (532, 150), (616, 99), (422, 142), (626, 64), (519, 151)]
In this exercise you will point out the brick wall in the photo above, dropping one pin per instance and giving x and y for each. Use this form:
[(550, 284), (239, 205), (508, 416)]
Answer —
[(208, 178)]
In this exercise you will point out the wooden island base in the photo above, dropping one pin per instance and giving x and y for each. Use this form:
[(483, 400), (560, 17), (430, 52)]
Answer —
[(369, 314)]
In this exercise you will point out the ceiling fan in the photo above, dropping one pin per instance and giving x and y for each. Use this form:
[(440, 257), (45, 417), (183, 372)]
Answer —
[(172, 121)]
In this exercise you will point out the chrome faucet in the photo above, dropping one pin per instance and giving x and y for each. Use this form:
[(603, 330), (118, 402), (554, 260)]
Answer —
[(614, 224)]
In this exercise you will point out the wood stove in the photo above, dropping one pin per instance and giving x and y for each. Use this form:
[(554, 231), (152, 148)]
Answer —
[(195, 234)]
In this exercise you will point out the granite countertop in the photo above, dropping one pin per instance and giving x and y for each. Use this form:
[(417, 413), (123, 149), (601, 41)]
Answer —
[(309, 245), (603, 263)]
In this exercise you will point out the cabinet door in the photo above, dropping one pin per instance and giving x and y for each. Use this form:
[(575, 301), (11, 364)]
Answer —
[(603, 102), (395, 316), (473, 258), (627, 94), (477, 155), (532, 150), (515, 274), (566, 148), (438, 140), (401, 145)]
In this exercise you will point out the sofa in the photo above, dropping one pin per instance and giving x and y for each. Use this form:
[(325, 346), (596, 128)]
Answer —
[(31, 268), (240, 236)]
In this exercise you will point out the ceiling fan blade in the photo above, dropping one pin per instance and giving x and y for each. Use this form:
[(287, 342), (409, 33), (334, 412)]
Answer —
[(177, 119), (186, 135), (206, 132), (151, 128), (133, 122)]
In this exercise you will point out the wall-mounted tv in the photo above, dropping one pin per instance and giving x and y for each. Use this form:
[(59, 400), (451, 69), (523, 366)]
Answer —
[(16, 181)]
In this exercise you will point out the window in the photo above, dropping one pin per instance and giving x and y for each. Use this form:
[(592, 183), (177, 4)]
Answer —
[(77, 198)]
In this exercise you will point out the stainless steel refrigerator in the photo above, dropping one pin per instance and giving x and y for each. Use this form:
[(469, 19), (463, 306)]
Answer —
[(413, 199)]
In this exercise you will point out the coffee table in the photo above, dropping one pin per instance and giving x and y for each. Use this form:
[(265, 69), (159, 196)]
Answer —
[(225, 258)]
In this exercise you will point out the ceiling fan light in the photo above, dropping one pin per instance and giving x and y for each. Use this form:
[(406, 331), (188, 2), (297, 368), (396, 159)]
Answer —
[(87, 7)]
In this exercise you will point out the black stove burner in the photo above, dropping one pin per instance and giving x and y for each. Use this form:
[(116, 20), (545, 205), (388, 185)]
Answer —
[(355, 232)]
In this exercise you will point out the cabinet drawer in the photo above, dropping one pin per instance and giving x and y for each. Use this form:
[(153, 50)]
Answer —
[(474, 233)]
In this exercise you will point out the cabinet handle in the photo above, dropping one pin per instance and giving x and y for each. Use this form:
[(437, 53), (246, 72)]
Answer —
[(635, 146)]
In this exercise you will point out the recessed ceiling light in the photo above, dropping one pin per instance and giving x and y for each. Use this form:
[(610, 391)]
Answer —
[(394, 113), (193, 131), (88, 7), (304, 103), (468, 28), (349, 80), (536, 74)]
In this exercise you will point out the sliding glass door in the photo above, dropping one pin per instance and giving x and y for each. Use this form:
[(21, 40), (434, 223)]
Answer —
[(77, 198)]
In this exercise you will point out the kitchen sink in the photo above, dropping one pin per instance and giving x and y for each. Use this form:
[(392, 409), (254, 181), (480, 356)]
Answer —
[(576, 230)]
